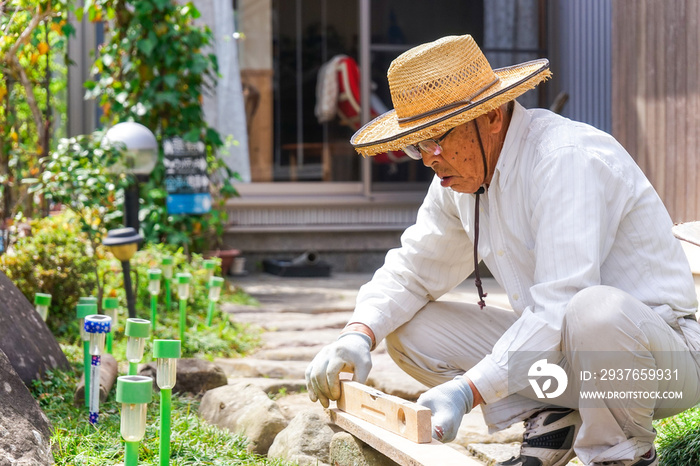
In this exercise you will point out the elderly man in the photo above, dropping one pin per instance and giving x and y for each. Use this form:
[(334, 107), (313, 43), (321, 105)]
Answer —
[(603, 338)]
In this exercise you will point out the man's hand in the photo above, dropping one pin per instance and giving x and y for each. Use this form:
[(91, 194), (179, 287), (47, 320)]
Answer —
[(349, 353), (448, 402)]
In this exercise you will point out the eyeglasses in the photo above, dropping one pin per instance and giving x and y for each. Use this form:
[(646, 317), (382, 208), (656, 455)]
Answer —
[(429, 146)]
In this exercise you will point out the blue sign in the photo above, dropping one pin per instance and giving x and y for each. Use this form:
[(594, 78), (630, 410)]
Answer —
[(199, 203), (186, 179)]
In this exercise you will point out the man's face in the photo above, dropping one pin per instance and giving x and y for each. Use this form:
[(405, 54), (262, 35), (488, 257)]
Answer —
[(460, 165)]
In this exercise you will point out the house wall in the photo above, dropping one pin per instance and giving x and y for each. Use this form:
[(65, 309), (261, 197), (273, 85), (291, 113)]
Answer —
[(580, 58), (655, 49)]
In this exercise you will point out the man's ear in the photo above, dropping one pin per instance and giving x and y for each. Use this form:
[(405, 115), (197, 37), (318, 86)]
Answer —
[(496, 119)]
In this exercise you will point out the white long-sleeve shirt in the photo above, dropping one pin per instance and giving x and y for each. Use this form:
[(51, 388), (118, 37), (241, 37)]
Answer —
[(567, 208)]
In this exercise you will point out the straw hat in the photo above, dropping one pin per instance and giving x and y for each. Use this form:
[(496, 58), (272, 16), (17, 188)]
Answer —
[(440, 85)]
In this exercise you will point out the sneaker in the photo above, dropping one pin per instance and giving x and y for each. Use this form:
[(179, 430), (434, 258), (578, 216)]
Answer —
[(649, 459), (548, 439)]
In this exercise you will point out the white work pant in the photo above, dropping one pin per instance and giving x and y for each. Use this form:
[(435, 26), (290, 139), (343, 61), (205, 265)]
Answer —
[(445, 339)]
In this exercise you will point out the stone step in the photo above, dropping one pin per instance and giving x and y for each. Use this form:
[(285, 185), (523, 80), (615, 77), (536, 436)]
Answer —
[(294, 321), (305, 353), (250, 367), (293, 339), (274, 387)]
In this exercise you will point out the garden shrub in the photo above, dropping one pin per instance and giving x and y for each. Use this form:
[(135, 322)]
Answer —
[(55, 259)]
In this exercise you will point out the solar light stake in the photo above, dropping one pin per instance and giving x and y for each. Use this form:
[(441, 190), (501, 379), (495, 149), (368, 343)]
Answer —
[(82, 310), (110, 306), (183, 292), (133, 392), (209, 266), (166, 354), (42, 301), (137, 330), (215, 285), (154, 288), (167, 265), (97, 326)]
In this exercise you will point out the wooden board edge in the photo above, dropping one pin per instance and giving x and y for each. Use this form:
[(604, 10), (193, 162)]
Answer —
[(399, 449)]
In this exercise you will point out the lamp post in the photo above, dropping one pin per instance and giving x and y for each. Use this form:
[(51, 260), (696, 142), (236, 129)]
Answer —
[(140, 158), (215, 285), (110, 306), (97, 326), (154, 289), (134, 392), (42, 301), (82, 310), (122, 242), (167, 265), (183, 292), (137, 330), (166, 354)]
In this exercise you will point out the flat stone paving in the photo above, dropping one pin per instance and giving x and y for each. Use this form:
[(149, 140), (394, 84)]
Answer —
[(301, 315)]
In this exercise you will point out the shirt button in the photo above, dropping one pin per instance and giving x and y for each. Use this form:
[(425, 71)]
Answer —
[(500, 252), (516, 296)]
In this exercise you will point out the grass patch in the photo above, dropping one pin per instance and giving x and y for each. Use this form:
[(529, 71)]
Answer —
[(76, 443), (678, 439)]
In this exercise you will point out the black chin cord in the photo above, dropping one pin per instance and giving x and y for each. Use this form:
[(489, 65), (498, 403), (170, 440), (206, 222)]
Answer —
[(481, 190)]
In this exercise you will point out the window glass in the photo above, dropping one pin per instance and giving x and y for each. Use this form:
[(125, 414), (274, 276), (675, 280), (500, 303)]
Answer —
[(311, 141), (316, 82)]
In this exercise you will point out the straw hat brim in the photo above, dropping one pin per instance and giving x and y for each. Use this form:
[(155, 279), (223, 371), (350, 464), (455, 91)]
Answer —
[(385, 133)]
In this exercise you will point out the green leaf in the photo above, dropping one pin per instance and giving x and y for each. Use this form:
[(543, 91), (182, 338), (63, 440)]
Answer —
[(170, 80), (192, 135), (148, 44)]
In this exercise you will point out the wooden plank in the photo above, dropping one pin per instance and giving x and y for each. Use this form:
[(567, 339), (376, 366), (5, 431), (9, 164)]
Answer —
[(689, 232), (399, 449), (407, 419)]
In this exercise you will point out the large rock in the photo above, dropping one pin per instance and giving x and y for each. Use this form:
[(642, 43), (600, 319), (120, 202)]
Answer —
[(306, 440), (194, 376), (24, 428), (26, 340), (244, 409)]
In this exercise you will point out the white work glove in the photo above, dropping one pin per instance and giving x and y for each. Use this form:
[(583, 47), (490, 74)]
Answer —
[(349, 353), (448, 402)]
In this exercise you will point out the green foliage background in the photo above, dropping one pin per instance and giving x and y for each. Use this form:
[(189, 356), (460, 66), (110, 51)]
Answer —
[(165, 95)]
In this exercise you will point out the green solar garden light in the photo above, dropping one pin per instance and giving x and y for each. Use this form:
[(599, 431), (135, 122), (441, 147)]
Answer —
[(82, 310), (183, 292), (42, 301), (215, 286), (209, 267), (110, 307), (167, 267), (97, 326), (137, 330), (134, 392), (166, 354), (154, 289)]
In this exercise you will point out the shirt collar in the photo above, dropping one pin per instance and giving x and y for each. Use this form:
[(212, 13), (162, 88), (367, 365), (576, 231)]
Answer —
[(519, 123)]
